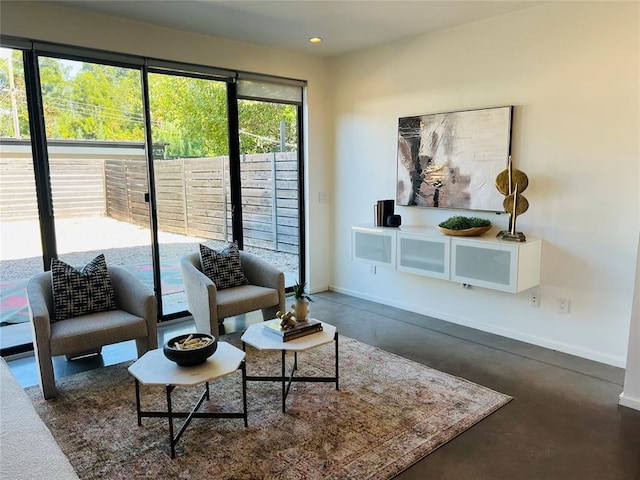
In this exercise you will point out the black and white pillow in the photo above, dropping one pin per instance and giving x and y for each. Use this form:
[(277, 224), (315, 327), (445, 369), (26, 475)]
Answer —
[(78, 292), (223, 267)]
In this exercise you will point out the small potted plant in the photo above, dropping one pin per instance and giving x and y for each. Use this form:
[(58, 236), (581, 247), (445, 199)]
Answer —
[(301, 307)]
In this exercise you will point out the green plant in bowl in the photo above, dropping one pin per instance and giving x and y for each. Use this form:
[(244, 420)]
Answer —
[(463, 223), (465, 226)]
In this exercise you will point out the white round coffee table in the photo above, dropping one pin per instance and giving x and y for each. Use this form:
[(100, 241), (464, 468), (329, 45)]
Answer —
[(153, 368), (258, 338)]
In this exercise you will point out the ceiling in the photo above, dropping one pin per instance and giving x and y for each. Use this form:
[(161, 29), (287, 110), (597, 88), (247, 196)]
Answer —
[(344, 25)]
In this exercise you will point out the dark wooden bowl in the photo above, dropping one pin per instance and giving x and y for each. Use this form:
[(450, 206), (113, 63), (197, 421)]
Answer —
[(467, 232), (192, 356)]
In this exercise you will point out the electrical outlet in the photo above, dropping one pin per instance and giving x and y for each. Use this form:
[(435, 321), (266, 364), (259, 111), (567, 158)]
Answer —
[(564, 305), (372, 269), (534, 299)]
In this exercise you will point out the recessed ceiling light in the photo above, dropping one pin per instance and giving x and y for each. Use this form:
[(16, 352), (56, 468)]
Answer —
[(315, 39)]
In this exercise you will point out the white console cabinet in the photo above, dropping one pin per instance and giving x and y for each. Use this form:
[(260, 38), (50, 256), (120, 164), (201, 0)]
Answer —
[(481, 261), (423, 253), (492, 263), (374, 245)]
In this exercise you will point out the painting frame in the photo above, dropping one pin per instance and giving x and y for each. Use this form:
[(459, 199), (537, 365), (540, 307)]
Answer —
[(450, 160)]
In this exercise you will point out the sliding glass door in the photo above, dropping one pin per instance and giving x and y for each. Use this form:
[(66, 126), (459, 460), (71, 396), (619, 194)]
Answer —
[(269, 175), (189, 126), (95, 131), (271, 171), (20, 246), (141, 160)]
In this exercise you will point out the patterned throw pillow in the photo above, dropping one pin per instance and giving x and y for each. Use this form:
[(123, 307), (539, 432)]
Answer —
[(223, 267), (78, 292)]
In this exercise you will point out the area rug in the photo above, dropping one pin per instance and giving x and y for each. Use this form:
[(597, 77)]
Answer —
[(389, 413)]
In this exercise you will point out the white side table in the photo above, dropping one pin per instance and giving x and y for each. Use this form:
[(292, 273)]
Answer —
[(153, 368), (256, 337)]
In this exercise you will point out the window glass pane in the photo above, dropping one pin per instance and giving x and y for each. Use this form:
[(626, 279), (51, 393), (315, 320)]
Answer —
[(269, 176), (90, 101), (20, 246), (191, 170), (97, 163)]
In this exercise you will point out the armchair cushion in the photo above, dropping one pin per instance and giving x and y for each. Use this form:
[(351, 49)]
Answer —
[(81, 291), (91, 331), (224, 267), (243, 299)]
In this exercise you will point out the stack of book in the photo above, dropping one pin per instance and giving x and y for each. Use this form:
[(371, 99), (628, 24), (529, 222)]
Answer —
[(273, 328)]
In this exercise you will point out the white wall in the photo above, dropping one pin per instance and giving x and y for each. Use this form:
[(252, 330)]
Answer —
[(47, 22), (571, 69)]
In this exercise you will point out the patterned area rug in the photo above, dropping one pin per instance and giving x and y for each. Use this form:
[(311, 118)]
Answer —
[(389, 413)]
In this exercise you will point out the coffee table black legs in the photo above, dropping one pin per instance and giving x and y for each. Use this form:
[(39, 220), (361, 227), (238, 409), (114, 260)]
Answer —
[(285, 387), (286, 381), (188, 416)]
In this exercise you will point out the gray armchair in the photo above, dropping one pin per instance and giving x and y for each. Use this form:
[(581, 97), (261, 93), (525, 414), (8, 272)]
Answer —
[(135, 318), (210, 306)]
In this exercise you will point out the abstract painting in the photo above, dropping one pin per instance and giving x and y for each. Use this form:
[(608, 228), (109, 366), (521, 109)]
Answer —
[(451, 160)]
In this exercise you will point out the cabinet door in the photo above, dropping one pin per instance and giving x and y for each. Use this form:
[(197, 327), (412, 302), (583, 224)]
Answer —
[(490, 265), (374, 246), (423, 255)]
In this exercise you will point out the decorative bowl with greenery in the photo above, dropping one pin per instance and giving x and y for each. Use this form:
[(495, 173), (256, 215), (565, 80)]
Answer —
[(465, 226)]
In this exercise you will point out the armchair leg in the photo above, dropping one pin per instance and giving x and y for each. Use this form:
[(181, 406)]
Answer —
[(47, 380), (49, 389), (142, 346), (270, 312)]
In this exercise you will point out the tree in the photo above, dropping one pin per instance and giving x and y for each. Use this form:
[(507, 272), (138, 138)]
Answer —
[(189, 114), (12, 70), (91, 101), (260, 126)]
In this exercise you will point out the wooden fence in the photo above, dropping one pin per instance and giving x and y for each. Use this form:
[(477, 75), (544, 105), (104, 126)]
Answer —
[(77, 188), (193, 196)]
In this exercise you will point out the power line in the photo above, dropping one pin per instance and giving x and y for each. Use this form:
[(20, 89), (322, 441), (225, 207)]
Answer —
[(266, 139)]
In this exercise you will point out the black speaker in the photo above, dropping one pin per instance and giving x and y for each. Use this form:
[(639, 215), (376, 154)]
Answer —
[(394, 221), (384, 208)]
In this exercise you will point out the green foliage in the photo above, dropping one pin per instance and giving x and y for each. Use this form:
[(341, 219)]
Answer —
[(462, 223), (89, 101), (260, 126), (299, 293), (19, 95), (93, 102), (190, 115)]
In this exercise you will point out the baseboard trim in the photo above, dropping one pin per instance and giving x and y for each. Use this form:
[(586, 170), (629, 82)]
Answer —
[(615, 361), (627, 401), (319, 288)]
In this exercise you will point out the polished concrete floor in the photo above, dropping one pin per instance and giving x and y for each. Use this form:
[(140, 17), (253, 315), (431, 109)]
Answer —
[(563, 423)]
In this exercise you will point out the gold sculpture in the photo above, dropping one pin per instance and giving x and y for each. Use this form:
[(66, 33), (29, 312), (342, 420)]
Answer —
[(511, 183)]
